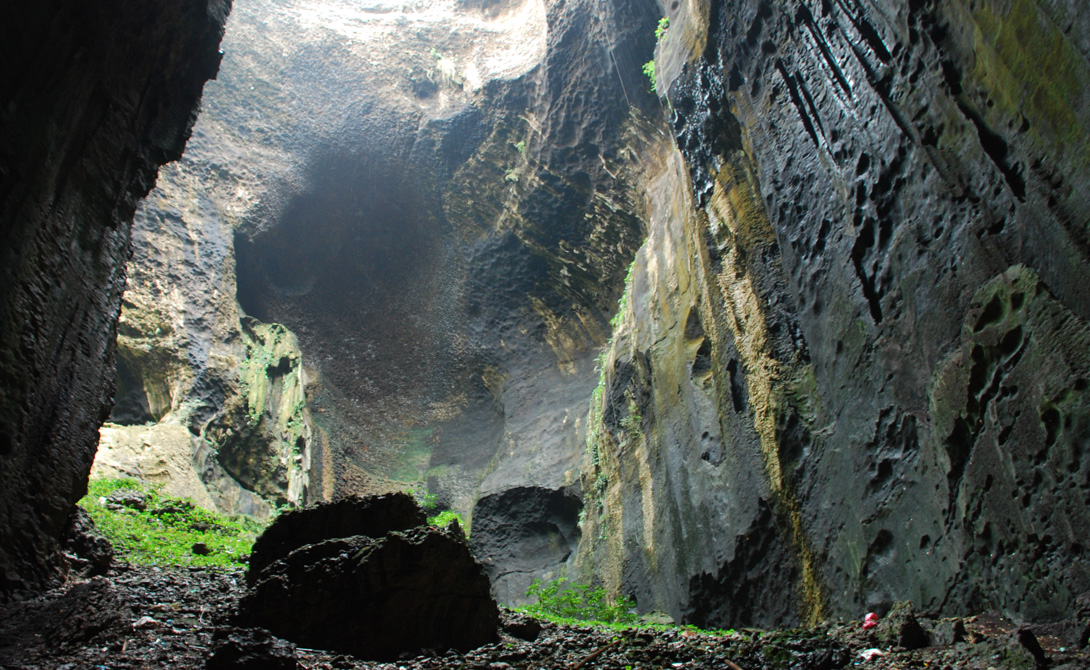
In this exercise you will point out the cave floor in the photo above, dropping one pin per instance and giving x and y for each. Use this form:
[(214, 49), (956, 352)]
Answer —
[(148, 617)]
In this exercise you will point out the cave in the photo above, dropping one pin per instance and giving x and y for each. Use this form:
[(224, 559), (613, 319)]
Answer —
[(755, 314)]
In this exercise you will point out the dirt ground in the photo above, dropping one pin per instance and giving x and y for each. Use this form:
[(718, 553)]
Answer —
[(147, 617)]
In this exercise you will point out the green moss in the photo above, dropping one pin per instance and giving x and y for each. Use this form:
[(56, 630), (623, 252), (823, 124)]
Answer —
[(1032, 72), (165, 532)]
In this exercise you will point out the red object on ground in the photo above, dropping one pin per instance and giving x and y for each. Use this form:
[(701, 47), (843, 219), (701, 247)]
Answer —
[(870, 621)]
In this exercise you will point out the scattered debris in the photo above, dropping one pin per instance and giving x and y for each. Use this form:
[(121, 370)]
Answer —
[(88, 624)]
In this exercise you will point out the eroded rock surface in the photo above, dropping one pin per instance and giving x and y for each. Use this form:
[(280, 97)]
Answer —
[(856, 360), (525, 533)]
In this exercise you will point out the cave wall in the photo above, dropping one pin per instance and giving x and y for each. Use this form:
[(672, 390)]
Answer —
[(95, 97), (879, 342), (439, 212)]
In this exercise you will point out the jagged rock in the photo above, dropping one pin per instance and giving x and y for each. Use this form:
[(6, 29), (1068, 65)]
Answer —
[(88, 552), (378, 593), (900, 627), (371, 517), (948, 631), (524, 532), (1029, 644), (65, 622), (250, 649), (519, 625)]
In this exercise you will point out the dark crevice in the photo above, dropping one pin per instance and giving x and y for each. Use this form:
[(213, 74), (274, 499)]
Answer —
[(796, 99), (998, 151)]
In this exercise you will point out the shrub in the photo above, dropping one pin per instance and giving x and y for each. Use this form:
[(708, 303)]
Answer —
[(444, 519), (558, 600), (165, 530)]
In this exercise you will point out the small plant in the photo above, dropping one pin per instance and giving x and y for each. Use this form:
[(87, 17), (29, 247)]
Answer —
[(445, 518), (649, 70), (429, 502), (559, 600), (661, 28), (161, 530), (649, 66)]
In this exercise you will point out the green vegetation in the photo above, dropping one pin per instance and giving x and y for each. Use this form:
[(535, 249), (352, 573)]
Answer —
[(559, 601), (594, 418), (649, 66), (661, 28), (649, 70), (622, 302), (166, 530), (429, 502), (445, 518)]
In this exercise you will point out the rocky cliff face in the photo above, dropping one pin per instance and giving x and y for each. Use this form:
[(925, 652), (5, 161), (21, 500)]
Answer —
[(95, 97), (854, 365), (850, 361)]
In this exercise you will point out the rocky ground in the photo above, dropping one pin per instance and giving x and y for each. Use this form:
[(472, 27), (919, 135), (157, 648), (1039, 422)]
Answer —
[(148, 617)]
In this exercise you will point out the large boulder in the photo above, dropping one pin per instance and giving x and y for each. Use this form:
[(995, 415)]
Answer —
[(362, 576)]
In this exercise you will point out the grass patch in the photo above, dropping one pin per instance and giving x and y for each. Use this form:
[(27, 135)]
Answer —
[(560, 601), (166, 529)]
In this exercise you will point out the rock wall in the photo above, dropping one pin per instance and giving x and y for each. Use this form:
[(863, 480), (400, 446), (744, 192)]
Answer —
[(854, 367), (96, 96)]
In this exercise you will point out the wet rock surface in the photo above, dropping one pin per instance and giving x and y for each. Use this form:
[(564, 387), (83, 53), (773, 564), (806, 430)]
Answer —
[(140, 617), (356, 576), (88, 554)]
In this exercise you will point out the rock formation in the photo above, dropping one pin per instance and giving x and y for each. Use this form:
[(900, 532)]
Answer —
[(438, 205), (853, 366), (95, 97), (363, 577)]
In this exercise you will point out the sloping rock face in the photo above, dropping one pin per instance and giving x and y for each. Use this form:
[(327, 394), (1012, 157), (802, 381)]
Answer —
[(361, 576), (855, 367), (96, 96)]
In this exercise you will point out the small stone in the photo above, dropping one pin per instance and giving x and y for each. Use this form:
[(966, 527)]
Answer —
[(1028, 641), (948, 631), (144, 622), (201, 549), (900, 627), (520, 626)]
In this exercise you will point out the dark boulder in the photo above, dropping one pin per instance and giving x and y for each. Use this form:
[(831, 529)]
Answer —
[(375, 595), (373, 516)]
